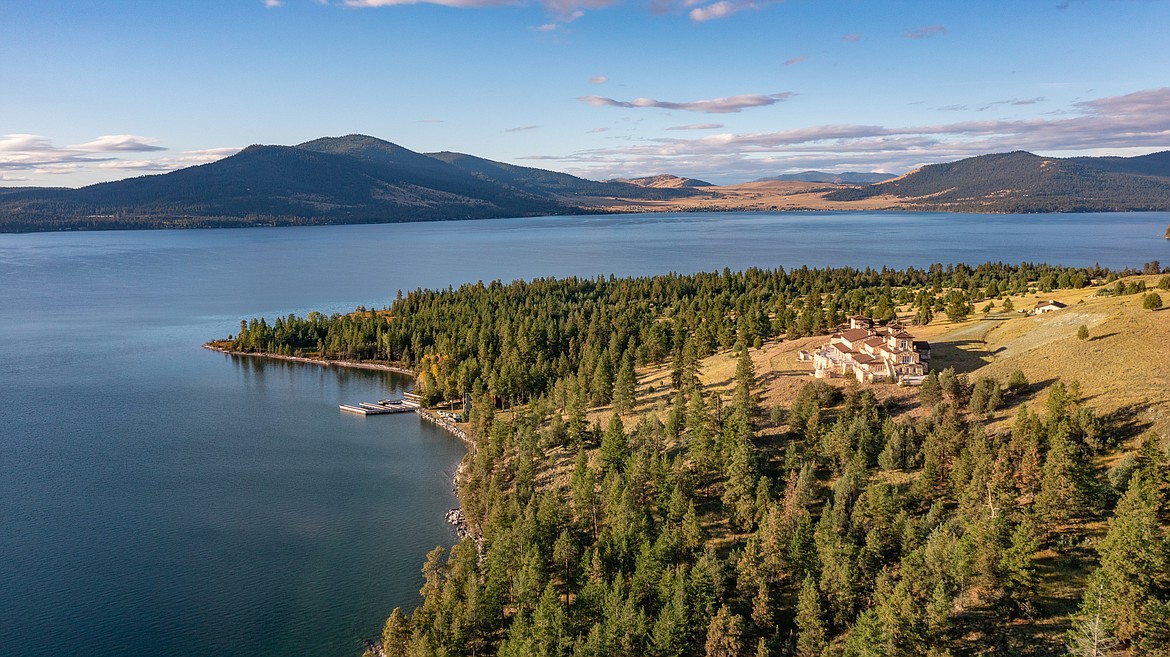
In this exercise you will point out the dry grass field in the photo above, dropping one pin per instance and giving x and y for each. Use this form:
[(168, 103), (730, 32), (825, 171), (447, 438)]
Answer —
[(1124, 365), (753, 196)]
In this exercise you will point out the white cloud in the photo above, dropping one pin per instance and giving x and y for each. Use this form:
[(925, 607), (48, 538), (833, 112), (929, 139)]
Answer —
[(720, 9), (272, 4), (521, 128), (114, 143), (925, 32), (38, 155), (560, 11), (697, 126), (1139, 121), (184, 159), (728, 105), (723, 8), (598, 79), (445, 3)]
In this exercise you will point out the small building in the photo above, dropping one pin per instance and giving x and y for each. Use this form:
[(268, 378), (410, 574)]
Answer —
[(1047, 307), (870, 354)]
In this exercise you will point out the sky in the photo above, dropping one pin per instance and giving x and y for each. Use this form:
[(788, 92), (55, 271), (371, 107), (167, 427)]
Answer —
[(722, 90)]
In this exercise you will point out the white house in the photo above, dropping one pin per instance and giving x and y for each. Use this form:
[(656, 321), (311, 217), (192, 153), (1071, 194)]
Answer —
[(1047, 307), (870, 354)]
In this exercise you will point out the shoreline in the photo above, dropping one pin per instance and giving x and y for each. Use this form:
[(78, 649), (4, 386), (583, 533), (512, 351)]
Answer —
[(235, 223), (453, 516), (314, 361)]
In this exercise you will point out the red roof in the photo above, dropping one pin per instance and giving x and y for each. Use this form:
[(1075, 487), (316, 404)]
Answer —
[(853, 335)]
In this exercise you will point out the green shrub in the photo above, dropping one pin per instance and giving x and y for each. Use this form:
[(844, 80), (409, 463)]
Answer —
[(1153, 301), (1017, 382)]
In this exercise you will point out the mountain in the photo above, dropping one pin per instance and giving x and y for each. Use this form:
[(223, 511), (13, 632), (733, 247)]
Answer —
[(664, 181), (1024, 182), (333, 180), (846, 178), (361, 179)]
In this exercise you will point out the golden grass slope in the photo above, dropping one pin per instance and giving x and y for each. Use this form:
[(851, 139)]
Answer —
[(753, 197), (1124, 364)]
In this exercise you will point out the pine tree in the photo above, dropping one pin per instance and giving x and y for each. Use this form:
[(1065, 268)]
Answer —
[(1134, 563), (1067, 485), (725, 634), (930, 393), (738, 492), (671, 633), (396, 634), (810, 625), (700, 439), (578, 425), (602, 382), (615, 445), (565, 557), (1018, 569), (549, 625), (684, 375), (584, 493), (1090, 636), (957, 308), (625, 387), (743, 401)]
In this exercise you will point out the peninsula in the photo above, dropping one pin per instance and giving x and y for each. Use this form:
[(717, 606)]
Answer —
[(652, 463)]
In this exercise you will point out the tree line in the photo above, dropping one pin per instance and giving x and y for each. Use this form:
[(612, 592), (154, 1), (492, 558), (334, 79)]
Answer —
[(522, 340)]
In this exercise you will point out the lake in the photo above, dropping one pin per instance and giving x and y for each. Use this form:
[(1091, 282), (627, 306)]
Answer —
[(159, 498)]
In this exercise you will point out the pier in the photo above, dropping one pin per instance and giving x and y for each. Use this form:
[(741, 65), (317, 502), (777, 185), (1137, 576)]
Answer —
[(380, 407)]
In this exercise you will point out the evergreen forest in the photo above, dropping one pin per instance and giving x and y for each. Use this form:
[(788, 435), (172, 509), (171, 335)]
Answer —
[(838, 525)]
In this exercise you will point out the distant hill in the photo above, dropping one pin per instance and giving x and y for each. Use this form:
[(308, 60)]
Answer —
[(333, 180), (845, 178), (568, 188), (663, 181), (1023, 182)]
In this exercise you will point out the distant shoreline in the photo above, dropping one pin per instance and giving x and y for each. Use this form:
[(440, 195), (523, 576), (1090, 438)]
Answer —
[(222, 223)]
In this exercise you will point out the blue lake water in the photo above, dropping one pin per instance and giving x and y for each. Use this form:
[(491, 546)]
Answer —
[(158, 498)]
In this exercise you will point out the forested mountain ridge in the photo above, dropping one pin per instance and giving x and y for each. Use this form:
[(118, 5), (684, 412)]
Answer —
[(1023, 182), (334, 180)]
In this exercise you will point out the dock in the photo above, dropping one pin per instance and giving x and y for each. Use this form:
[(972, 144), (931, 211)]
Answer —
[(380, 407)]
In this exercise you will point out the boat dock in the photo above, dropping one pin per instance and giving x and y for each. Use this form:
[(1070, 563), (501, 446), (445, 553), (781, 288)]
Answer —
[(380, 407)]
